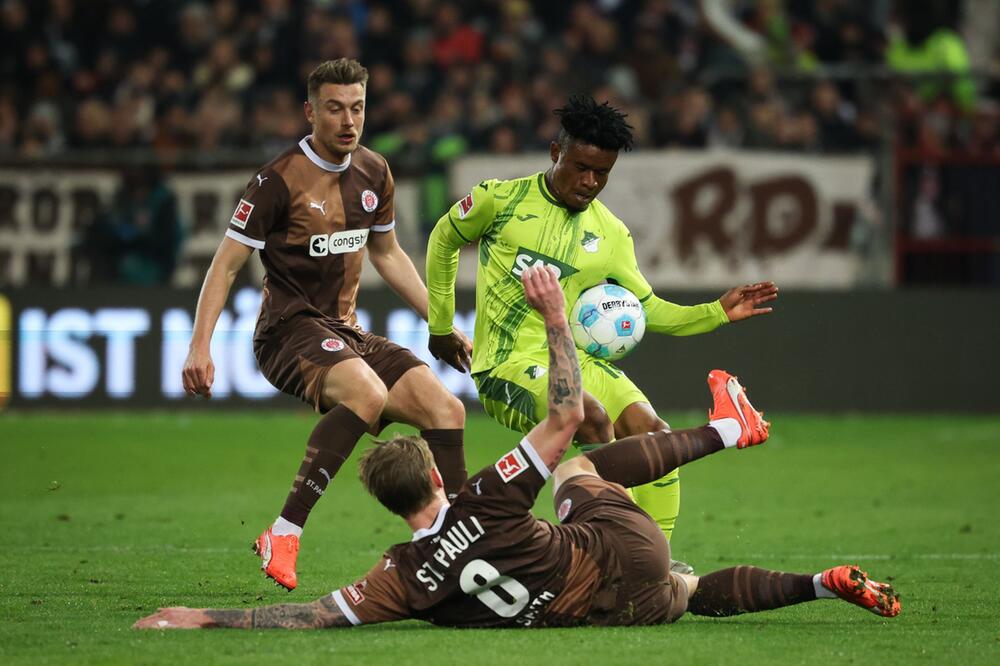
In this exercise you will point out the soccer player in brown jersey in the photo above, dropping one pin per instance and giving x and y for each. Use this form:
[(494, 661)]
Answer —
[(484, 561), (312, 213)]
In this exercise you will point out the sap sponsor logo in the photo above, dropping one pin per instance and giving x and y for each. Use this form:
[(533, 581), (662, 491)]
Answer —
[(242, 214), (511, 465), (527, 258), (332, 345), (339, 242), (61, 354), (369, 201), (451, 545)]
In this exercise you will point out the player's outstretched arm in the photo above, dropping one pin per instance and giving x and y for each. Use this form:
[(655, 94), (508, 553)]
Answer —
[(320, 614), (199, 371), (551, 438)]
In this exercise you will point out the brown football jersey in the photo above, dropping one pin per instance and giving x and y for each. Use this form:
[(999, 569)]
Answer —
[(311, 219), (487, 562)]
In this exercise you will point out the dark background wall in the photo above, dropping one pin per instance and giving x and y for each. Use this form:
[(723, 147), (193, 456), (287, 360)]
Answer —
[(904, 350), (910, 350)]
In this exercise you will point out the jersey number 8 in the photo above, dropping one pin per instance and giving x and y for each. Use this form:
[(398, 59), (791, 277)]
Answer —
[(479, 578)]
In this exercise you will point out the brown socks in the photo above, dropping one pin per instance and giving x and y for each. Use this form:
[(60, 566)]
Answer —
[(330, 443), (638, 459), (449, 456), (748, 589)]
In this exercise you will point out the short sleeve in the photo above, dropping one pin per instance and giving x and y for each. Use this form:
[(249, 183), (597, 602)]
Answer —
[(510, 486), (263, 205), (473, 214), (378, 597), (385, 215)]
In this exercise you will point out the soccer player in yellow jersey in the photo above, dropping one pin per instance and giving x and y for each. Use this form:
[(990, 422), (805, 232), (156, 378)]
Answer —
[(554, 218)]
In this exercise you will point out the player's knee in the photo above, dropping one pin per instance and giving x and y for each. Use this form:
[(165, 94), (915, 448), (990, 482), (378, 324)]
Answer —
[(636, 422), (367, 396), (450, 413), (596, 427)]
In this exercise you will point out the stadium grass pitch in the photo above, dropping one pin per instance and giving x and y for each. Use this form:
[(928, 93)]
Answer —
[(108, 516)]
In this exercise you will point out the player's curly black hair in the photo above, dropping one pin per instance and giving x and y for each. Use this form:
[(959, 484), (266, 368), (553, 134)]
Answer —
[(601, 125)]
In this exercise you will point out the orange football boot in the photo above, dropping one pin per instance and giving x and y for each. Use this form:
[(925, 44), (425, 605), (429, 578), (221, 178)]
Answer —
[(277, 557), (731, 402), (852, 584)]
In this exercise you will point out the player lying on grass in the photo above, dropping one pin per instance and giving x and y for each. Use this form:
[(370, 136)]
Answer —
[(555, 218), (484, 561)]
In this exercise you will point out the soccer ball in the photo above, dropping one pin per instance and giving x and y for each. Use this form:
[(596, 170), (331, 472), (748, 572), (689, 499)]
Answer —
[(607, 322)]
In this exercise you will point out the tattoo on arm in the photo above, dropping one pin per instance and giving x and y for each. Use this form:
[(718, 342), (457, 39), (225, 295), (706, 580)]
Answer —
[(565, 390), (319, 614)]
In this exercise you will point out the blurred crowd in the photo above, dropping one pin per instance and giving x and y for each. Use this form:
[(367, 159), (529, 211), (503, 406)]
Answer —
[(452, 77)]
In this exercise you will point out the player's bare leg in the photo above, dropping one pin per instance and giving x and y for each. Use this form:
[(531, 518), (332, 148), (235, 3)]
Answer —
[(352, 398), (596, 428), (420, 399)]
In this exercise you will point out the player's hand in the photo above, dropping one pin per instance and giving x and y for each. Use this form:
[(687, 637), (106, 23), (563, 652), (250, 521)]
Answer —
[(198, 373), (178, 617), (744, 302), (455, 349), (543, 292)]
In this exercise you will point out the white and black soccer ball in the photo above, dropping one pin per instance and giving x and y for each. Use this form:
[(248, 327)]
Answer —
[(607, 321)]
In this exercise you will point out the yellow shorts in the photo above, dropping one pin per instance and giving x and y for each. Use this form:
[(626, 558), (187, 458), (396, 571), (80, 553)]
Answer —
[(515, 393)]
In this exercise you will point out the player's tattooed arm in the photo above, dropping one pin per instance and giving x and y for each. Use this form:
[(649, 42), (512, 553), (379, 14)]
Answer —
[(320, 614), (552, 437), (565, 384)]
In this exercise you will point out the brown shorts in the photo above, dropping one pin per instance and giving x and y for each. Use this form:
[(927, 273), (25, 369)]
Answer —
[(296, 355), (645, 591)]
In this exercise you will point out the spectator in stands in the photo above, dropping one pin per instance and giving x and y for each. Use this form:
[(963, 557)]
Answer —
[(209, 74), (137, 239), (928, 46)]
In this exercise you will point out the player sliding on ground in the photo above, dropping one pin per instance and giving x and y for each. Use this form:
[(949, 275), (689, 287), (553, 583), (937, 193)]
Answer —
[(484, 561)]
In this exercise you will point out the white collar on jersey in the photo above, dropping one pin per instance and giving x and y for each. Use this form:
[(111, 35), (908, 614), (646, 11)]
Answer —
[(436, 527), (319, 161)]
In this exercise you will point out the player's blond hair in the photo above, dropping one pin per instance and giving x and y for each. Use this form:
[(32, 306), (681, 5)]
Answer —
[(342, 71), (396, 473)]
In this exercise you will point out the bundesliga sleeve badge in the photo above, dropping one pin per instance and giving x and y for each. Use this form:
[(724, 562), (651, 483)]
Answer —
[(369, 201), (242, 214), (511, 465)]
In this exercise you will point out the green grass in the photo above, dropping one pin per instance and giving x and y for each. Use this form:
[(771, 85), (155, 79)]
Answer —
[(107, 517)]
